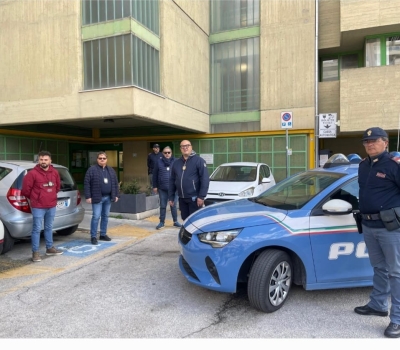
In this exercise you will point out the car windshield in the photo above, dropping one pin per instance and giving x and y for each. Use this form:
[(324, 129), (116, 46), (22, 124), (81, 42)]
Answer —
[(234, 173), (294, 192)]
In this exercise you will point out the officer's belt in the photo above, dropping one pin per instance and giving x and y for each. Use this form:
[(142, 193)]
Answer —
[(371, 216)]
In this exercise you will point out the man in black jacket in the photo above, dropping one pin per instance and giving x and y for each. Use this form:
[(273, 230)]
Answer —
[(189, 176), (152, 159), (101, 188)]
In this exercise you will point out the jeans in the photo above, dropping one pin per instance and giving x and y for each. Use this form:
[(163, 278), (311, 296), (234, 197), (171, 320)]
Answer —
[(384, 255), (39, 215), (100, 211), (163, 205), (188, 206)]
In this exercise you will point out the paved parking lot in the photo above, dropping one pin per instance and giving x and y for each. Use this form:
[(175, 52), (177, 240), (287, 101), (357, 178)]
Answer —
[(131, 288)]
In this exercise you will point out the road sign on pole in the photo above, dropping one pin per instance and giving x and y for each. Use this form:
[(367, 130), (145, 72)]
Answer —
[(286, 120), (327, 125)]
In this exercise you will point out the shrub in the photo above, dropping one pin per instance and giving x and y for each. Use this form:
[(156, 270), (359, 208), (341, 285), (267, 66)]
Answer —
[(131, 187)]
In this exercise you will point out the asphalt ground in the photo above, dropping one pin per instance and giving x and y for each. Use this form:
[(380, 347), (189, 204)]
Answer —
[(131, 289)]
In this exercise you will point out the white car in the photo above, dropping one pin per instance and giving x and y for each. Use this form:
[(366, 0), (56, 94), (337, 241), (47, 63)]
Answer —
[(238, 180)]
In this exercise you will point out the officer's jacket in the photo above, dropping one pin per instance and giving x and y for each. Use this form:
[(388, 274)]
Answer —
[(162, 173), (189, 177), (379, 180)]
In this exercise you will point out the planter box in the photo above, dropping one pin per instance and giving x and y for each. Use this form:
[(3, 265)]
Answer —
[(152, 202), (130, 203)]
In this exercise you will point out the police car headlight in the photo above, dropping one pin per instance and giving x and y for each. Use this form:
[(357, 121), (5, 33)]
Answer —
[(219, 239), (247, 193)]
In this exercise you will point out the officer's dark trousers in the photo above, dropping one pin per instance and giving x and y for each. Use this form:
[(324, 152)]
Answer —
[(187, 206)]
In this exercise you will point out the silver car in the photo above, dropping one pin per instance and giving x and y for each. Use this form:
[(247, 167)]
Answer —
[(15, 212)]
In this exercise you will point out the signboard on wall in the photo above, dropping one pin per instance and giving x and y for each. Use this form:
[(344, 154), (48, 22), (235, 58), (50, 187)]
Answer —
[(327, 125)]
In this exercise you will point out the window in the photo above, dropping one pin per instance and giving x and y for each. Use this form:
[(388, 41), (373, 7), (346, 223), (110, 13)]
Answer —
[(234, 14), (330, 70), (144, 11), (393, 50), (120, 61), (235, 76), (349, 61), (372, 53), (331, 66)]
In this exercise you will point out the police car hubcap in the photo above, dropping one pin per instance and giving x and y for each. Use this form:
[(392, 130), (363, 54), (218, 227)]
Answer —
[(280, 283)]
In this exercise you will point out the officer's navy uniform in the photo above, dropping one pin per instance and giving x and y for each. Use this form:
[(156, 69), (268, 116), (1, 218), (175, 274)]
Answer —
[(379, 180)]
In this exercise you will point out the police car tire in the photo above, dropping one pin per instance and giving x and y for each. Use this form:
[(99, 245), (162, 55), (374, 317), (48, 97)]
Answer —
[(270, 267), (67, 231), (8, 243)]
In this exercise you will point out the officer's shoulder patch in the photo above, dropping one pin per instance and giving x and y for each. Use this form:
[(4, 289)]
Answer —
[(396, 159), (363, 159)]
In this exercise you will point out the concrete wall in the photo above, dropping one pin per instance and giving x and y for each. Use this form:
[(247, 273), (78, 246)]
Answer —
[(40, 51), (287, 62), (370, 97), (185, 55), (329, 97), (359, 14), (328, 23)]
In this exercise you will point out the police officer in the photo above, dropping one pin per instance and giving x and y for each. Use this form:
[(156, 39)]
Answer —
[(152, 159), (379, 180)]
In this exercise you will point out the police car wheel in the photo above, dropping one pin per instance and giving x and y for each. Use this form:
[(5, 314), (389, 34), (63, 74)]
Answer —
[(270, 280)]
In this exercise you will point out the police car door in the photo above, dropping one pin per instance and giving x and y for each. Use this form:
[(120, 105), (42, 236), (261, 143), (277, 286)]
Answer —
[(339, 251)]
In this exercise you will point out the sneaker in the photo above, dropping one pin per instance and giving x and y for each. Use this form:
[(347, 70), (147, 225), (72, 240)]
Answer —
[(105, 238), (53, 251), (160, 225), (94, 241), (36, 257), (177, 224)]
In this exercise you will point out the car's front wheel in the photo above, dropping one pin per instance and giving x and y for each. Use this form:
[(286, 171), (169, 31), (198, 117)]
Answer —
[(67, 231), (270, 280)]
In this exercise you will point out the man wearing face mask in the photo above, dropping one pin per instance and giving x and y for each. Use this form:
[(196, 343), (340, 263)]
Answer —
[(41, 186)]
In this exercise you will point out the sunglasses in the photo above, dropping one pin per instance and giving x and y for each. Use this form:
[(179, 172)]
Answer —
[(185, 146), (167, 152), (102, 158)]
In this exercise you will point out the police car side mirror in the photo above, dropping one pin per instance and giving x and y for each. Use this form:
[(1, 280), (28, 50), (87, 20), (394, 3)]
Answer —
[(337, 207), (266, 180)]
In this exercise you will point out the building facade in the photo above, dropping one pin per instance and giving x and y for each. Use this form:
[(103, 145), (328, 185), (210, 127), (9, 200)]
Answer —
[(79, 76)]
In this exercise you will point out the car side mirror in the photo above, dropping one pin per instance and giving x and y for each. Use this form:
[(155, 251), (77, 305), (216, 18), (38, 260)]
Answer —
[(337, 207), (266, 180)]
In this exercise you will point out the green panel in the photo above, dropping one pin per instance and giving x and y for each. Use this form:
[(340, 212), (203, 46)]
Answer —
[(206, 146), (220, 145), (250, 144), (249, 157), (234, 145), (265, 158), (265, 144), (234, 157), (244, 33), (195, 145), (12, 145), (220, 159), (239, 117), (120, 27)]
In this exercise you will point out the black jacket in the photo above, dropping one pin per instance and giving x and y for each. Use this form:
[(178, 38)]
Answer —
[(152, 159), (162, 173), (189, 177), (92, 183), (379, 180)]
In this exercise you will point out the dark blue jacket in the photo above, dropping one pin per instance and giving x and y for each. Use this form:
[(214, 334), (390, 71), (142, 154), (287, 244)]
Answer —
[(189, 177), (152, 159), (379, 180), (162, 173), (93, 183)]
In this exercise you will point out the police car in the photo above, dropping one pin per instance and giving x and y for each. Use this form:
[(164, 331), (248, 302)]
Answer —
[(300, 231)]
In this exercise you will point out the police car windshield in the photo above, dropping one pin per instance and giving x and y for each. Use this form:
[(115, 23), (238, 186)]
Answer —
[(295, 191)]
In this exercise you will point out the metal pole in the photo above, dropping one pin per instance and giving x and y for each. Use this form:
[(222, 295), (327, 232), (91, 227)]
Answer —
[(316, 129), (287, 153)]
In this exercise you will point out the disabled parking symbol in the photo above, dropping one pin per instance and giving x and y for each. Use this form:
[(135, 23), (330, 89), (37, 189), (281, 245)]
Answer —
[(81, 248)]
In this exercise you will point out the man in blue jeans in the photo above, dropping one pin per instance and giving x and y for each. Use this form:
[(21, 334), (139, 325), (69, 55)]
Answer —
[(101, 188), (161, 174), (379, 180), (41, 186)]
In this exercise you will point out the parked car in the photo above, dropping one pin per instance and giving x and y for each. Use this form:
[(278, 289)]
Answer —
[(238, 180), (300, 231), (15, 212)]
